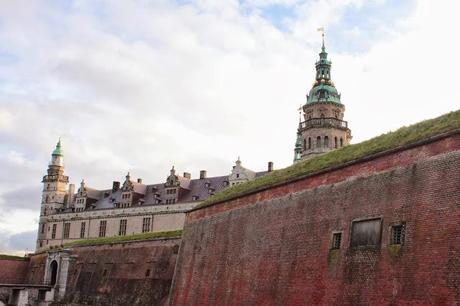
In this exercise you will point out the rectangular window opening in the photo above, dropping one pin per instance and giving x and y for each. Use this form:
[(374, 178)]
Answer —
[(102, 228), (122, 229), (82, 230), (366, 233), (146, 225), (336, 240), (397, 234), (66, 230)]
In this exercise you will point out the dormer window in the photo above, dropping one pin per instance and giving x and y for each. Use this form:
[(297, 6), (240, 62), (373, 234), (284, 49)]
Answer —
[(207, 184), (237, 175), (195, 198)]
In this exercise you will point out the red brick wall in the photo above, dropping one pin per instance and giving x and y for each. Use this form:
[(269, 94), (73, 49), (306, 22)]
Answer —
[(36, 269), (13, 271), (274, 247), (117, 274)]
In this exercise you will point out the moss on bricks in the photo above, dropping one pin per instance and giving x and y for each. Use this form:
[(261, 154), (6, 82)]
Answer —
[(12, 257), (122, 239), (392, 140)]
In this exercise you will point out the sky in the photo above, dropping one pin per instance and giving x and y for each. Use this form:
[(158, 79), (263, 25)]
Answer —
[(141, 86)]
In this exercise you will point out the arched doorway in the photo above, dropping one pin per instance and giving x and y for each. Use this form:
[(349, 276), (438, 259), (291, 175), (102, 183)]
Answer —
[(54, 269)]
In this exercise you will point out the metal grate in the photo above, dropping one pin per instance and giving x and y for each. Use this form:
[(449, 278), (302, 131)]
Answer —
[(397, 234), (336, 240)]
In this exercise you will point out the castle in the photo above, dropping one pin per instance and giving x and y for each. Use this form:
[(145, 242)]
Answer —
[(135, 207), (374, 223)]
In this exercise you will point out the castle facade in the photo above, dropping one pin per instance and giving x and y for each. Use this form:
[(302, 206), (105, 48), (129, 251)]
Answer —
[(134, 207)]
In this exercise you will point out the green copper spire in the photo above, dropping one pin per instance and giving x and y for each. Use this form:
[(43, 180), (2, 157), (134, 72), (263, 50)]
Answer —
[(323, 89), (58, 150)]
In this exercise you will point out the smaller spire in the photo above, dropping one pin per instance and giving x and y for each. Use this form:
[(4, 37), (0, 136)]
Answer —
[(58, 149), (298, 147), (128, 176), (238, 162)]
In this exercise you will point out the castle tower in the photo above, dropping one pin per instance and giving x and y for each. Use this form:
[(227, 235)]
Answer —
[(323, 129), (54, 191)]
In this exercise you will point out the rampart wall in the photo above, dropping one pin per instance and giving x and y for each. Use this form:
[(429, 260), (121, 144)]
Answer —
[(134, 273), (13, 271), (276, 246)]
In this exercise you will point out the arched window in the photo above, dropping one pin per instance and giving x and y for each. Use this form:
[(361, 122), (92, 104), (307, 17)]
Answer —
[(318, 142), (53, 268), (326, 141), (322, 115), (309, 142), (304, 144), (341, 142), (335, 142)]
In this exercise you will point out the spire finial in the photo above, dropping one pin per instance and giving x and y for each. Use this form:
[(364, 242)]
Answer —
[(321, 29), (300, 113)]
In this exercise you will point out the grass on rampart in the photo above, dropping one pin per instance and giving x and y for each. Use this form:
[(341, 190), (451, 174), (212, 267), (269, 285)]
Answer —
[(121, 239), (12, 257), (392, 140)]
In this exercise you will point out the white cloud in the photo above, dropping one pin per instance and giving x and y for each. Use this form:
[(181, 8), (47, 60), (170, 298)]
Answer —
[(134, 86)]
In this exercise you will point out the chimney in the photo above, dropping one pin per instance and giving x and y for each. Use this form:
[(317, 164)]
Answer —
[(71, 195), (202, 174), (187, 175), (270, 167), (115, 186), (139, 180)]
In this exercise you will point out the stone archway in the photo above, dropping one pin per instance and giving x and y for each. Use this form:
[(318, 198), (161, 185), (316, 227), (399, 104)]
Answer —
[(53, 270)]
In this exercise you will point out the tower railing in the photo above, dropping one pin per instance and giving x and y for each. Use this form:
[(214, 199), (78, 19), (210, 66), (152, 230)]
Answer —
[(323, 122)]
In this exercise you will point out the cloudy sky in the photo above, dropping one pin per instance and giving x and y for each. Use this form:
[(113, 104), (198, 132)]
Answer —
[(140, 86)]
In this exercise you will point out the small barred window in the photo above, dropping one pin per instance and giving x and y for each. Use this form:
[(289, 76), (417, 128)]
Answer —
[(336, 240), (397, 234)]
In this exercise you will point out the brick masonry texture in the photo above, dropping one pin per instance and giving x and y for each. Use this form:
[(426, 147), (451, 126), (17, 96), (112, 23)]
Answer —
[(137, 273), (274, 247), (13, 271)]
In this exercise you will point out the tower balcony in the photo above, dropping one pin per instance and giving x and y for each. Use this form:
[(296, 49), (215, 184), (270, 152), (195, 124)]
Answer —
[(323, 123)]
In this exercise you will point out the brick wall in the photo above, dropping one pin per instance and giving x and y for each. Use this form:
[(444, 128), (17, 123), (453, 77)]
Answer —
[(135, 273), (13, 271), (274, 247)]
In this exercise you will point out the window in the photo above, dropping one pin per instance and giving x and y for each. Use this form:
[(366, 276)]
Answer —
[(53, 232), (195, 198), (147, 273), (341, 142), (366, 233), (304, 144), (335, 142), (170, 201), (122, 229), (82, 230), (66, 230), (309, 142), (318, 142), (102, 228), (326, 141), (336, 240), (43, 228), (237, 175), (397, 234), (146, 224), (171, 191)]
